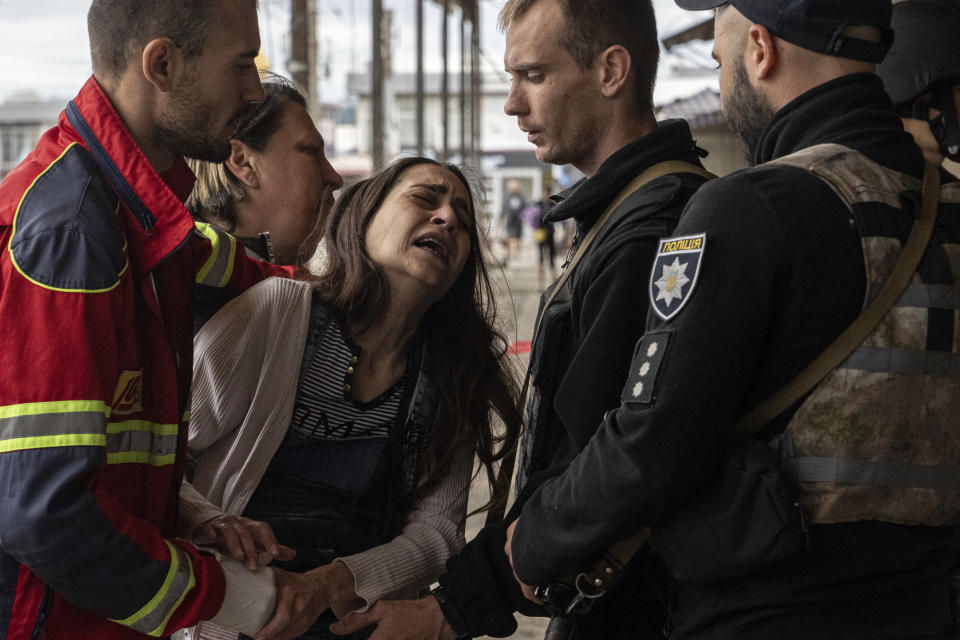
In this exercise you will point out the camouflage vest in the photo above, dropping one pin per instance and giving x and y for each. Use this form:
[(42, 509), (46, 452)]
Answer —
[(879, 437)]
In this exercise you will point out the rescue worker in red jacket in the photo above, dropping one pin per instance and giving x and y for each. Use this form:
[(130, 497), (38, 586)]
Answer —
[(98, 257)]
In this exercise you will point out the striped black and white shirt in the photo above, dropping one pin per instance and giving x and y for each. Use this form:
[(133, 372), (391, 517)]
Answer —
[(325, 409)]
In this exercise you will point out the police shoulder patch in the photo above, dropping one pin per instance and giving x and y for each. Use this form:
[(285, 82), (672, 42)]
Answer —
[(674, 273), (647, 360)]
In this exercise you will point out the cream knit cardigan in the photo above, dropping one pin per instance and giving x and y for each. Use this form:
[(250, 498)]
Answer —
[(246, 367)]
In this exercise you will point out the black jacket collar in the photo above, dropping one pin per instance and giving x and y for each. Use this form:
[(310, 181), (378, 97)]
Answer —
[(587, 199), (853, 111)]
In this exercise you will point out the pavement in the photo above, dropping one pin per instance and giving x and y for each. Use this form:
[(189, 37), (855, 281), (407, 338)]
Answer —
[(517, 292), (517, 295)]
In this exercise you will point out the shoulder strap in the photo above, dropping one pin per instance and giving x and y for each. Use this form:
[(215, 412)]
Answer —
[(856, 333), (648, 175)]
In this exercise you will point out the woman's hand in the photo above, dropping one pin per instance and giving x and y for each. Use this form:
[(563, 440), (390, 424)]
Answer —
[(242, 539), (400, 620), (302, 597), (341, 588)]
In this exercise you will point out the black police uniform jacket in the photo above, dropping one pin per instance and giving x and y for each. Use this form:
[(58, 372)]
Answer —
[(580, 359), (780, 276)]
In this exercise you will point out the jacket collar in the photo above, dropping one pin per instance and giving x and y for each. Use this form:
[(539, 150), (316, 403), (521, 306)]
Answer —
[(586, 200), (853, 111), (162, 194)]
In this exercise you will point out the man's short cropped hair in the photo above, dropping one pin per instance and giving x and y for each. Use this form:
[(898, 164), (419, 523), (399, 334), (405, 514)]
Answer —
[(119, 29), (590, 26)]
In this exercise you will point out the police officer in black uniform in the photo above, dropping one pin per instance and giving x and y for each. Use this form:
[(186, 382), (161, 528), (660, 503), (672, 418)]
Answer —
[(768, 266)]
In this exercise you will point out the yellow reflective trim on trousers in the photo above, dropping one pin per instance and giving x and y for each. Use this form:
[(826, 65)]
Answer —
[(45, 442), (55, 406), (218, 268), (154, 616)]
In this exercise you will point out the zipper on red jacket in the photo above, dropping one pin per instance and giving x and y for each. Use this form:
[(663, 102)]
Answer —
[(109, 168), (45, 604)]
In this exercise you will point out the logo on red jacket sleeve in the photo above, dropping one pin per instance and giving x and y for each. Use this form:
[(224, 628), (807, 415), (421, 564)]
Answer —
[(128, 394)]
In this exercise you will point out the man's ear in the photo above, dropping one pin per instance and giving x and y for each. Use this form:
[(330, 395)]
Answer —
[(242, 164), (615, 67), (761, 55), (162, 63)]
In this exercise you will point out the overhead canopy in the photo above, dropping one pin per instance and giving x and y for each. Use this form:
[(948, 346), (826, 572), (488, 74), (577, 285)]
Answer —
[(469, 7), (700, 110), (700, 31)]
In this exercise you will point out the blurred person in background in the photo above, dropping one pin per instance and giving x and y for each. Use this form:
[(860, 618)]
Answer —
[(543, 236), (511, 217)]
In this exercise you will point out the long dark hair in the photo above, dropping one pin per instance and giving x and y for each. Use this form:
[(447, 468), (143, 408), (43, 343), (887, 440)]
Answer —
[(473, 372)]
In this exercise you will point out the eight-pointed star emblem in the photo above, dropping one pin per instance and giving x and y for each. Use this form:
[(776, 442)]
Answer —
[(672, 281)]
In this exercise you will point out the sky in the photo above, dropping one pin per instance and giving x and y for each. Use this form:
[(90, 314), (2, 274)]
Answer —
[(44, 49)]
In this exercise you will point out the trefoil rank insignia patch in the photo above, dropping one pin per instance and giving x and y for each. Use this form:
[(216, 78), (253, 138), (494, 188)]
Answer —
[(674, 274), (648, 359)]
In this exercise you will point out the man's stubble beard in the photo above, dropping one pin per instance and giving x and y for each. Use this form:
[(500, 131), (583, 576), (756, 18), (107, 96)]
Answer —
[(189, 128), (747, 113)]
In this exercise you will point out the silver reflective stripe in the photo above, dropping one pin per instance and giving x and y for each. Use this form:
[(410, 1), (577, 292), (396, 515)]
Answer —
[(873, 474), (41, 425), (153, 617), (217, 269), (142, 442), (876, 359), (935, 296), (38, 425)]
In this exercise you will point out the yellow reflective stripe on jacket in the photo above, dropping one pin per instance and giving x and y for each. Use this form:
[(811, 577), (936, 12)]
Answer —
[(153, 617), (218, 269), (83, 423), (140, 441), (38, 425)]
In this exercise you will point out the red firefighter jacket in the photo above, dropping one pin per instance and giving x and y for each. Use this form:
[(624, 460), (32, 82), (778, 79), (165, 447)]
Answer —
[(98, 258)]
